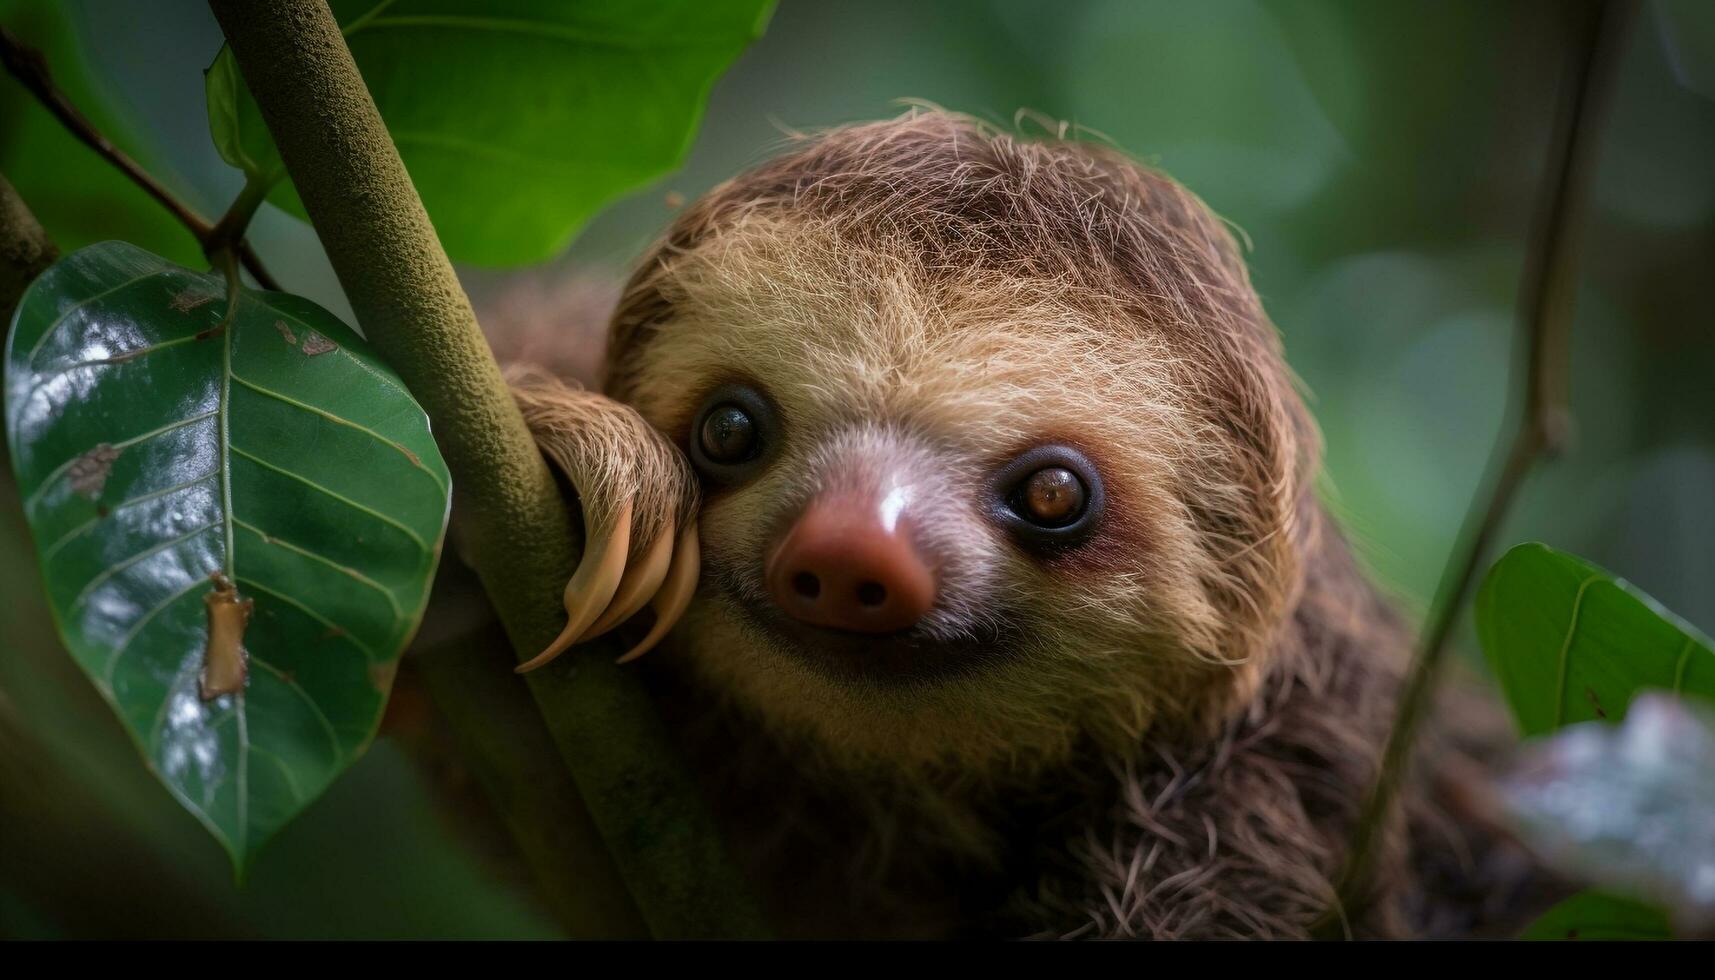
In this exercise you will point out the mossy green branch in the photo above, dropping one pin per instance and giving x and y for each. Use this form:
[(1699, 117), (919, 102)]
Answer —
[(515, 528)]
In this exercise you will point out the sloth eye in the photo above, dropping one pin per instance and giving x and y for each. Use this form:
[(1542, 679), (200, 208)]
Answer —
[(733, 433), (1050, 496), (728, 434)]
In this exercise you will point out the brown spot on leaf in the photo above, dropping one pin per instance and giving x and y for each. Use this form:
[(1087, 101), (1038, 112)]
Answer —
[(225, 663), (381, 675), (1595, 702), (88, 473), (213, 331), (415, 461), (286, 332), (333, 632), (315, 343), (191, 298)]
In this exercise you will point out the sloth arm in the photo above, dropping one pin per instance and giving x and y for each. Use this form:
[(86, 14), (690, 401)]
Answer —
[(638, 500)]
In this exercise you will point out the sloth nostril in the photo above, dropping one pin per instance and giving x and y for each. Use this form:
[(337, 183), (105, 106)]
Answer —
[(838, 566), (807, 585)]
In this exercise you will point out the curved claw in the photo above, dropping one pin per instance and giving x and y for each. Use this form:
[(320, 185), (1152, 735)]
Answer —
[(591, 587), (642, 580), (675, 593)]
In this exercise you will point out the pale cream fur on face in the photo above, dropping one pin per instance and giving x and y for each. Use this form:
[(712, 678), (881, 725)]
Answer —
[(880, 372)]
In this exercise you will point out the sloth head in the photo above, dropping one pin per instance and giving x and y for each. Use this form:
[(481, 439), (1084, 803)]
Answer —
[(998, 451)]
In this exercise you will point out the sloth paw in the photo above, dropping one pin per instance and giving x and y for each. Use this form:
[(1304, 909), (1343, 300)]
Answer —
[(639, 503)]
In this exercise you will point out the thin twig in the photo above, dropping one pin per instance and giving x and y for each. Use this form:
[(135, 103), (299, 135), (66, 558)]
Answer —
[(27, 65), (253, 265), (1545, 322)]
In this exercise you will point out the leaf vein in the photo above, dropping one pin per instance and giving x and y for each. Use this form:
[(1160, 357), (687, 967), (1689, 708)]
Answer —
[(306, 481), (120, 566), (337, 630), (260, 299), (274, 539), (1566, 651), (285, 771), (316, 709), (137, 627), (65, 538), (60, 470), (54, 327), (410, 457), (120, 358)]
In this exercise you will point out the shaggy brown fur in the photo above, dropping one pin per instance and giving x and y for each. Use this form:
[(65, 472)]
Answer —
[(1172, 724)]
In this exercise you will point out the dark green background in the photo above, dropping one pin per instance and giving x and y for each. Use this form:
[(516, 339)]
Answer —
[(1383, 159)]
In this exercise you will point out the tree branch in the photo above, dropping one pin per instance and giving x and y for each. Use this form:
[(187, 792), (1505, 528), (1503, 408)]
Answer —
[(1545, 322), (518, 533), (25, 249), (27, 65), (464, 661)]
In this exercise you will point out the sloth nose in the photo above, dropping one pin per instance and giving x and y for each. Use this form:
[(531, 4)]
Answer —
[(840, 566)]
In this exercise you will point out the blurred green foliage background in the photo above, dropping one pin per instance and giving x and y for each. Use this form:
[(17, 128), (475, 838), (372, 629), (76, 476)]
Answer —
[(1381, 158)]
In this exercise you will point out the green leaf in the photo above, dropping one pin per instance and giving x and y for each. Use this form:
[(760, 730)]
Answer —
[(1569, 642), (154, 448), (235, 122), (519, 120), (1600, 915)]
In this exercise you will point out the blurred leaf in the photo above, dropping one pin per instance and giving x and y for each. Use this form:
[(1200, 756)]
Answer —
[(519, 120), (1597, 915), (1571, 643), (235, 122), (1630, 807), (76, 195), (155, 447)]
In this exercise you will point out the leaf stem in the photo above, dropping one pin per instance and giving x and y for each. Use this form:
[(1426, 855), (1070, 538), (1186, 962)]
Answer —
[(516, 529), (234, 292), (1545, 324), (27, 65), (228, 233)]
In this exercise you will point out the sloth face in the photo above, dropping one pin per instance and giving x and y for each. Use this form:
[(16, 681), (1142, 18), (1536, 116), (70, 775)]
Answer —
[(970, 496), (938, 523)]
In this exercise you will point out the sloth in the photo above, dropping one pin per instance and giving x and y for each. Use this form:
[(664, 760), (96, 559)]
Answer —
[(975, 507)]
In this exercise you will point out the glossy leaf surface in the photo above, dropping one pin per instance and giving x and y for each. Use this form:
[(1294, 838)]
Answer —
[(154, 447), (1570, 642), (519, 119)]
